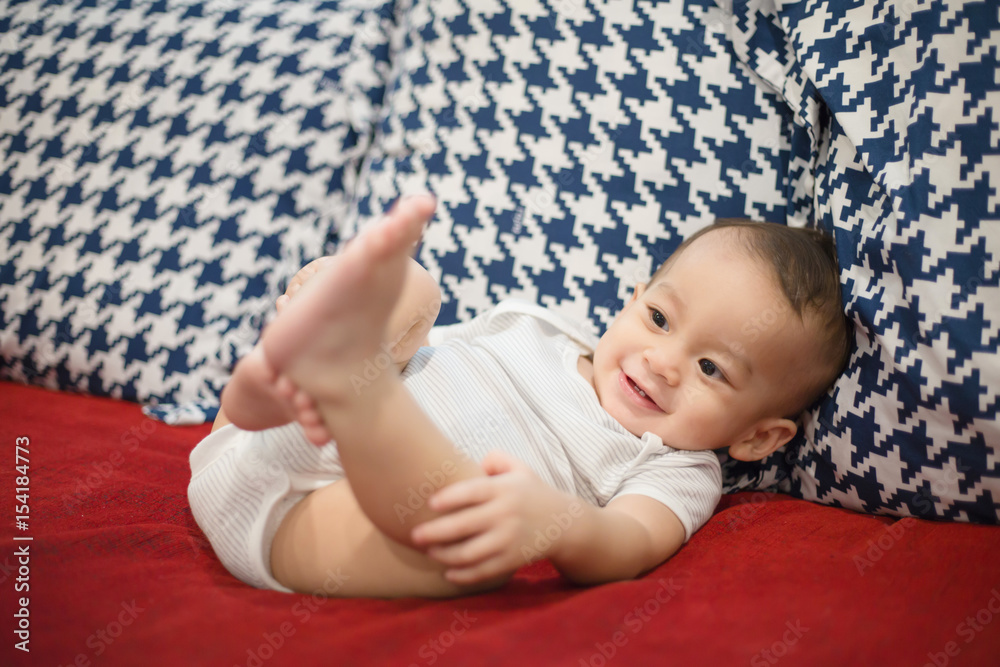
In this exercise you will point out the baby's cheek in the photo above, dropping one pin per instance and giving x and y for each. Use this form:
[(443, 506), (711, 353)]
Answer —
[(695, 397)]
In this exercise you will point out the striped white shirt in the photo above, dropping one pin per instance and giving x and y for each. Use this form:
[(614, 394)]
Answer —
[(508, 380)]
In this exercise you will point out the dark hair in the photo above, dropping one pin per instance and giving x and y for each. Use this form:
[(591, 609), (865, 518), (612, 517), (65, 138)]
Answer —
[(804, 264)]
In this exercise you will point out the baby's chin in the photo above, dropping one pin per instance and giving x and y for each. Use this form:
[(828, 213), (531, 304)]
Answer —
[(626, 421), (632, 425)]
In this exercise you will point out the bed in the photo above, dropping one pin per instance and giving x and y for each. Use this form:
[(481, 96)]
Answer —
[(120, 574)]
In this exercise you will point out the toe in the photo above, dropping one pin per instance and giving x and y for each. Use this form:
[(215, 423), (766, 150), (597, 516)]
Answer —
[(318, 435), (303, 402), (285, 387)]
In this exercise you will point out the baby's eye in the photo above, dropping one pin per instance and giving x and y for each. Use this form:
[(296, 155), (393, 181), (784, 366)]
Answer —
[(659, 319), (709, 368)]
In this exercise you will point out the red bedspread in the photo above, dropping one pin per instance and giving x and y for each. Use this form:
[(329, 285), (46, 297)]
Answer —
[(119, 574)]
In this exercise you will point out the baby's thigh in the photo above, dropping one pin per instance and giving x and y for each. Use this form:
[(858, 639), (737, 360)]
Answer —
[(327, 546)]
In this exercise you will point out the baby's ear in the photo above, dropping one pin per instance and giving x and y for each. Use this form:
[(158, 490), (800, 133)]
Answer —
[(765, 437)]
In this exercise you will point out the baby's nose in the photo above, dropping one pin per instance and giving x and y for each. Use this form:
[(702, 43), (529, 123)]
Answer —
[(663, 363)]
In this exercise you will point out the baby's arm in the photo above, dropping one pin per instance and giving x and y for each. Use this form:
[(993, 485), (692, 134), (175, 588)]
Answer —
[(249, 399), (496, 524), (629, 536)]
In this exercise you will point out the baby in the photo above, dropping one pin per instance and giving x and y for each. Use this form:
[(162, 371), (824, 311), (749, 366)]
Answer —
[(464, 452)]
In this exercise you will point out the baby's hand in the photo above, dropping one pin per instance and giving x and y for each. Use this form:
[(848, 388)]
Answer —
[(492, 525), (300, 279)]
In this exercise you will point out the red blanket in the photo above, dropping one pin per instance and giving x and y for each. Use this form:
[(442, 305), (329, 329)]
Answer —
[(116, 572)]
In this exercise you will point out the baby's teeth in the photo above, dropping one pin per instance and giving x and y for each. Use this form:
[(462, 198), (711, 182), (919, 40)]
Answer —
[(642, 393)]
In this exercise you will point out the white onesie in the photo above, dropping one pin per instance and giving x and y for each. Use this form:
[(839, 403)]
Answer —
[(506, 380)]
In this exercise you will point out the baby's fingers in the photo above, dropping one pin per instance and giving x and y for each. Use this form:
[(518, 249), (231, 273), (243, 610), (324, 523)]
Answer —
[(459, 525), (468, 553), (498, 565), (462, 494)]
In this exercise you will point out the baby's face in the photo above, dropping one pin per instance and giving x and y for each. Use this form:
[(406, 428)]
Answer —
[(704, 353)]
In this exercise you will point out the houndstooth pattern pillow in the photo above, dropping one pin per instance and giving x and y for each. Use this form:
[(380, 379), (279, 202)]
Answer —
[(572, 146), (900, 102), (166, 167)]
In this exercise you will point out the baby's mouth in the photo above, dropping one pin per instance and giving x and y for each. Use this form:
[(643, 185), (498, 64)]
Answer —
[(637, 393)]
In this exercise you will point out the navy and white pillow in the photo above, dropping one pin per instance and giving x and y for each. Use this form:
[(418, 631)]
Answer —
[(899, 106), (572, 149), (166, 167)]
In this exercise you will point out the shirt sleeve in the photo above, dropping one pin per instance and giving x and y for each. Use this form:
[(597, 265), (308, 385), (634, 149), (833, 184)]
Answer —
[(688, 483)]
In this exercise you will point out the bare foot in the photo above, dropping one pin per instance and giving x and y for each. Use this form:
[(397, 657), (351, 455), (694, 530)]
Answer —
[(251, 399), (299, 279), (408, 325), (317, 347)]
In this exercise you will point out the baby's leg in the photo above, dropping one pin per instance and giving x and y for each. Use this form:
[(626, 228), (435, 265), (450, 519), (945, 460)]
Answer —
[(251, 399), (328, 338), (327, 545), (356, 532), (413, 315)]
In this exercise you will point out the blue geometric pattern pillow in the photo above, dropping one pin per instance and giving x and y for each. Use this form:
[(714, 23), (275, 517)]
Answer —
[(898, 108), (574, 147), (166, 167)]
